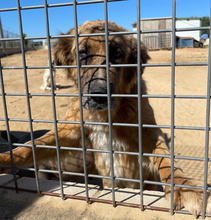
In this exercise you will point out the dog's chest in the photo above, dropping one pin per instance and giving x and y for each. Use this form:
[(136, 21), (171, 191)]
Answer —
[(101, 141)]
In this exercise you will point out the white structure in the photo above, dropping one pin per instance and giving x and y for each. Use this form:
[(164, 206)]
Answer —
[(189, 24)]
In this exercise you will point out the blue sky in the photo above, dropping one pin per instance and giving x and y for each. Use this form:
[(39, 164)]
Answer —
[(122, 12)]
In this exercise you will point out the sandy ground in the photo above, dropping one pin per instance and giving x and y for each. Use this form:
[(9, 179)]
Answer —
[(188, 112)]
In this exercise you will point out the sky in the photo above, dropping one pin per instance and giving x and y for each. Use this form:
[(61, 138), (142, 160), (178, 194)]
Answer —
[(124, 13)]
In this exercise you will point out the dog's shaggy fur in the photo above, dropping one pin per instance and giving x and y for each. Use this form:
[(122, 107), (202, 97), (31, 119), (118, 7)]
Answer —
[(92, 51)]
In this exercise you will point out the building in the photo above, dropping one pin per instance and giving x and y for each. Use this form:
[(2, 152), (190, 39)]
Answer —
[(52, 42), (163, 40), (182, 42), (189, 23)]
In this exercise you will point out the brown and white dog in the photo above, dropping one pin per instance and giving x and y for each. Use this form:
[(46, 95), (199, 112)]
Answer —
[(92, 51)]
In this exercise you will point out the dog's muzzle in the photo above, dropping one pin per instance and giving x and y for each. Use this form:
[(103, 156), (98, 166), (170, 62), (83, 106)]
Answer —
[(98, 98)]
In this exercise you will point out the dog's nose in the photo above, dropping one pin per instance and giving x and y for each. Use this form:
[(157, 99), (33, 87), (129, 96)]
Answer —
[(99, 91), (99, 99)]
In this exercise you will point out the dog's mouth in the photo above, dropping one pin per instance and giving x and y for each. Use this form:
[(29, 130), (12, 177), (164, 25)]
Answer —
[(98, 99), (97, 103)]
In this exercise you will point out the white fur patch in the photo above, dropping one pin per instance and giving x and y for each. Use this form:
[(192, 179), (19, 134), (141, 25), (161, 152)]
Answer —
[(100, 139)]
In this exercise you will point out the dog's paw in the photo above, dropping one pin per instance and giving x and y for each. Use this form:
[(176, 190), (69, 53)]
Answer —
[(5, 161), (42, 87), (192, 200)]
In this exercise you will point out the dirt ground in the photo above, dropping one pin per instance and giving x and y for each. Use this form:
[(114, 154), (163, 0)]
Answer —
[(190, 80)]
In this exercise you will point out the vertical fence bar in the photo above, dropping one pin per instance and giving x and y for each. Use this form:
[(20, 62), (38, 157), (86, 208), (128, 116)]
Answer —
[(139, 102), (80, 98), (27, 94), (53, 97), (109, 101), (207, 131), (7, 126), (173, 100)]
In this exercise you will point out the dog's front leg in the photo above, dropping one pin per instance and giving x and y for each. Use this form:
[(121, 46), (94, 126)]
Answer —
[(23, 157), (68, 135), (189, 198)]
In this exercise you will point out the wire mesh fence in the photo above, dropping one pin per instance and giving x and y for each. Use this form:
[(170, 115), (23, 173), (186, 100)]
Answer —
[(9, 47), (29, 121)]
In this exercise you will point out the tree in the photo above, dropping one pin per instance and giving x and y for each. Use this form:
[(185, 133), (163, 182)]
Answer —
[(25, 41), (205, 22)]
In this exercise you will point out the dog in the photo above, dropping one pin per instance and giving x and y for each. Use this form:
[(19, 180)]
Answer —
[(47, 80), (94, 88)]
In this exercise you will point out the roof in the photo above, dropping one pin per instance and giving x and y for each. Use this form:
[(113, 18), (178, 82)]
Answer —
[(185, 38), (151, 19), (163, 18)]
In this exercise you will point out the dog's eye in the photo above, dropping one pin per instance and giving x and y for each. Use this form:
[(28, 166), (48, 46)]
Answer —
[(116, 55), (82, 54)]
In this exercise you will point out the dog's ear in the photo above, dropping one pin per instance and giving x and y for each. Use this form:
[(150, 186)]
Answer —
[(62, 50), (144, 53)]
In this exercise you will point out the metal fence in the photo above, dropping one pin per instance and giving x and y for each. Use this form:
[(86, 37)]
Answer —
[(10, 44), (139, 96), (9, 47)]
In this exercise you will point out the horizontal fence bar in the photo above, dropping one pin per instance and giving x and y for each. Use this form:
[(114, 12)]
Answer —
[(106, 124), (103, 34), (105, 95), (105, 177), (107, 151), (55, 5), (111, 65)]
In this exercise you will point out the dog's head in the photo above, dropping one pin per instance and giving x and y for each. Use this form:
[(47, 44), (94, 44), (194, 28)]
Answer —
[(122, 49)]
